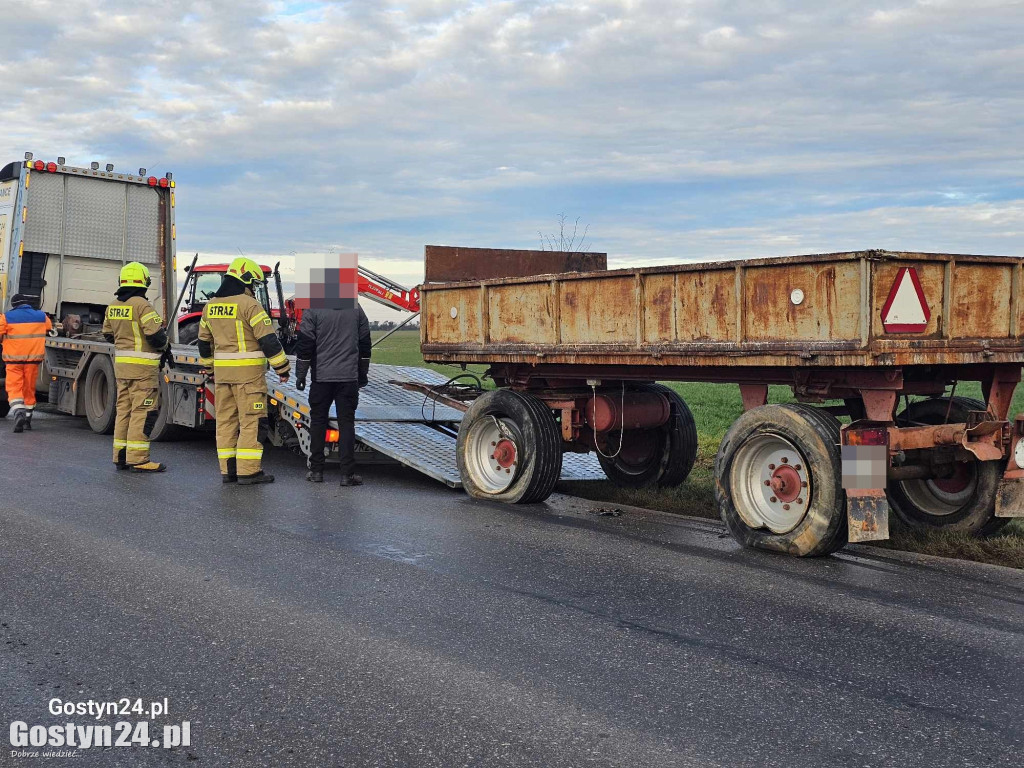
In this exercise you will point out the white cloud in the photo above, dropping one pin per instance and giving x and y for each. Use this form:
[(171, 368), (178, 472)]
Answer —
[(675, 129)]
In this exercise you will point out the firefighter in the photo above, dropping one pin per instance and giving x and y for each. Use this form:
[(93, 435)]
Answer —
[(136, 331), (236, 340), (23, 333)]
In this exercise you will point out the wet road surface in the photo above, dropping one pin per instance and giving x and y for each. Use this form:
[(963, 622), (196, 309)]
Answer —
[(402, 624)]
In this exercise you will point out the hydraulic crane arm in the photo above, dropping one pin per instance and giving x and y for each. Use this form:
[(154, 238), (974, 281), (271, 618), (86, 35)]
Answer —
[(387, 292)]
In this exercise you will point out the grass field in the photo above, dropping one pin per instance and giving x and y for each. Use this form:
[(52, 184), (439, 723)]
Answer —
[(715, 407)]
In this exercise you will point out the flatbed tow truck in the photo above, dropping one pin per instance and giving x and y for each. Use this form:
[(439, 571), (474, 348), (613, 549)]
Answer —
[(65, 232)]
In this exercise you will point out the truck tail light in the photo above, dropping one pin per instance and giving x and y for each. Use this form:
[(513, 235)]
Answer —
[(39, 165), (151, 181), (51, 167), (333, 435), (164, 183)]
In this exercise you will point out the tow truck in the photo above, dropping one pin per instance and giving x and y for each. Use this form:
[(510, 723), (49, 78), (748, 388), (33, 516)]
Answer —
[(65, 232)]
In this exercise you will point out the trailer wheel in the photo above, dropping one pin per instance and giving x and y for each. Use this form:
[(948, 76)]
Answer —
[(663, 456), (777, 481), (963, 502), (101, 395), (509, 448)]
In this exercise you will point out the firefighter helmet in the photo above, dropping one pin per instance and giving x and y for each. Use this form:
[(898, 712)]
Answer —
[(246, 270), (135, 275)]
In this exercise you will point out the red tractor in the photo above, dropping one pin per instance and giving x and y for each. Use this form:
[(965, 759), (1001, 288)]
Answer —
[(204, 280)]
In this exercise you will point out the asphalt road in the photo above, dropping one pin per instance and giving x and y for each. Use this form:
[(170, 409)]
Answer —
[(402, 624)]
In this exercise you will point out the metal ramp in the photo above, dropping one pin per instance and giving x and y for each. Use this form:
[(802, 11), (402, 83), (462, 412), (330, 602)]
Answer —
[(411, 428)]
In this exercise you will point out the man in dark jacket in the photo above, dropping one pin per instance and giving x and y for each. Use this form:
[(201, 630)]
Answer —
[(335, 343)]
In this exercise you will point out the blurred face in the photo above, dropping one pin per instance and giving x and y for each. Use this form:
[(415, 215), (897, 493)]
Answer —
[(326, 282)]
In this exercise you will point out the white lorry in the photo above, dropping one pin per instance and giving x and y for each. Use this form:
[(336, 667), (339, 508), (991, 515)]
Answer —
[(65, 232)]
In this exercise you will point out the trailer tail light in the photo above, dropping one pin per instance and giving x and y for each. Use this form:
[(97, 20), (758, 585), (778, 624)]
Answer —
[(333, 435), (866, 436), (164, 183), (151, 181), (51, 167), (39, 165), (865, 456)]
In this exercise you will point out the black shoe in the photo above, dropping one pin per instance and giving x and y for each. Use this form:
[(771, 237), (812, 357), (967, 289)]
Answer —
[(258, 479), (229, 479), (28, 421), (351, 480), (19, 423), (315, 476), (120, 462)]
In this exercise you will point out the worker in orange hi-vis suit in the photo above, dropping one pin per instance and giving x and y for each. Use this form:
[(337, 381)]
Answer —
[(23, 332)]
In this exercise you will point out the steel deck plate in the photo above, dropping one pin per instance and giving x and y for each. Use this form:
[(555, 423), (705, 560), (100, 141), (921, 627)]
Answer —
[(431, 452), (396, 423), (379, 400)]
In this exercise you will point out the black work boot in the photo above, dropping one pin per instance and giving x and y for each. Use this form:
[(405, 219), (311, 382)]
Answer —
[(121, 463), (351, 480), (258, 479), (148, 467), (315, 476), (19, 423), (28, 421), (232, 475)]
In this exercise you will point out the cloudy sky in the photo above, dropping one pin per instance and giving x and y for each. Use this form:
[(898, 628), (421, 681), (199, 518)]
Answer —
[(675, 131)]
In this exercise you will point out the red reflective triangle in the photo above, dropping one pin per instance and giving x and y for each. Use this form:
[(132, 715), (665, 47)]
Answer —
[(906, 310)]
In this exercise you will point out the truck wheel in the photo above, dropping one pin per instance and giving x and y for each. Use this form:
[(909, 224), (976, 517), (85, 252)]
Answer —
[(509, 448), (189, 332), (963, 502), (663, 456), (777, 481), (164, 431), (101, 395)]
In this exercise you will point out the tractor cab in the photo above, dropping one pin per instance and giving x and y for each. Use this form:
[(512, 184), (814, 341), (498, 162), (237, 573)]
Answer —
[(203, 281)]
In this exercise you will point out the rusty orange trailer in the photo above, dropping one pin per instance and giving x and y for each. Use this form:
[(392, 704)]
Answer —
[(576, 355)]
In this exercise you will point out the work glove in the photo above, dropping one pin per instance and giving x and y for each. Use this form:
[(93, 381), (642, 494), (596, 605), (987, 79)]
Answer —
[(300, 384), (364, 371), (167, 359)]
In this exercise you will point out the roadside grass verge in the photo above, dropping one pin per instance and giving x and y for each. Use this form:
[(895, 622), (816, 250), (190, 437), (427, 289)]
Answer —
[(715, 407)]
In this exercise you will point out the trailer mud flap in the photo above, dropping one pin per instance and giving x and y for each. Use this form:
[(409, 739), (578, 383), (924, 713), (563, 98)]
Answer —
[(867, 514), (1010, 495)]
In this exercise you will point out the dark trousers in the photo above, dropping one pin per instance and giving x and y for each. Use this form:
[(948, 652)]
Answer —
[(345, 396)]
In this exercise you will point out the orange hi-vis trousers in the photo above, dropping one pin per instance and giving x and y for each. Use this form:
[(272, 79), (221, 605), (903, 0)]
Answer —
[(21, 385)]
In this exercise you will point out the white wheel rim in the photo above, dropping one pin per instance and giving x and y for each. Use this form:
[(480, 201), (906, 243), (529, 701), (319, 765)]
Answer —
[(771, 484), (492, 455)]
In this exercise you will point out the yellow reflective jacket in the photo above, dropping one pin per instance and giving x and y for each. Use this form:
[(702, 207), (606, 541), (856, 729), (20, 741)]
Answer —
[(233, 326), (130, 322)]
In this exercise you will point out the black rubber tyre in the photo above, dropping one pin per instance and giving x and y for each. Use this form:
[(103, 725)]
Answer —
[(538, 447), (101, 395), (671, 454), (189, 332), (923, 505), (814, 434), (163, 431)]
